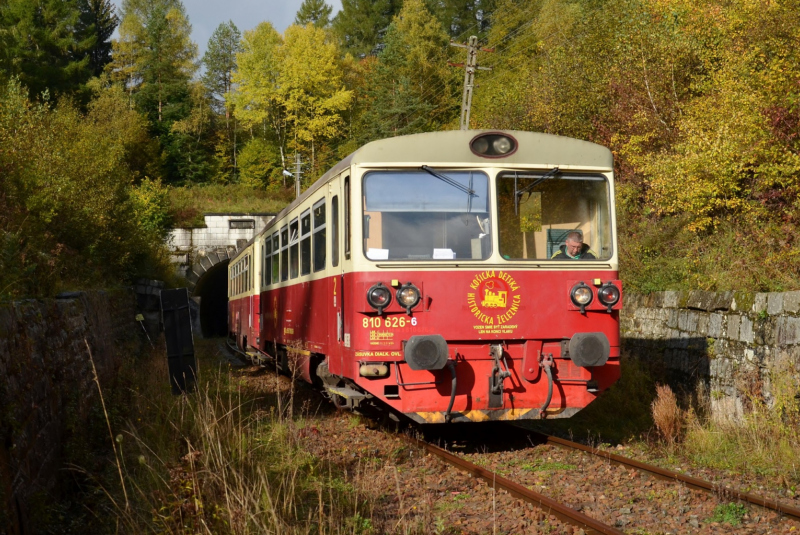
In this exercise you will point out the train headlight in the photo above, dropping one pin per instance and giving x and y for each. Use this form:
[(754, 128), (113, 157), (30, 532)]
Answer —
[(581, 296), (379, 297), (608, 294), (408, 296), (493, 145)]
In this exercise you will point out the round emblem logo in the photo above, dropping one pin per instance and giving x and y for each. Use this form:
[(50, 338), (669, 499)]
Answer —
[(493, 298)]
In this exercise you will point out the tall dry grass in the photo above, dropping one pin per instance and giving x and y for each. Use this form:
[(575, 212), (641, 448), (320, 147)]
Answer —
[(667, 416), (225, 459), (760, 437)]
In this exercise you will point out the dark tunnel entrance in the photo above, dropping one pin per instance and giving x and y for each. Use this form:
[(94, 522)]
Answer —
[(212, 289)]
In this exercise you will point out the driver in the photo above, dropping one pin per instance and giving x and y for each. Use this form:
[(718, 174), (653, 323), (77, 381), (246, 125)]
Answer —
[(574, 248)]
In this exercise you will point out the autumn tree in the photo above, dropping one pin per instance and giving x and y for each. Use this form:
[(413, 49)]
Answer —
[(69, 188), (256, 103), (311, 89), (315, 12)]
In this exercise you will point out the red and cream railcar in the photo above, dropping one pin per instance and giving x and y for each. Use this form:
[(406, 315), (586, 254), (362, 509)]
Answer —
[(427, 273)]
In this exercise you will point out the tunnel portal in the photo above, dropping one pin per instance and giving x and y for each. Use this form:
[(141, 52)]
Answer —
[(212, 291)]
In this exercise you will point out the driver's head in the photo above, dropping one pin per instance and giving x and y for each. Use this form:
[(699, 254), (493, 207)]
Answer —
[(574, 243)]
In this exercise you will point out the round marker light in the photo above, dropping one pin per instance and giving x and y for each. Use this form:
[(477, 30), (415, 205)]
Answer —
[(502, 145), (608, 294), (408, 296), (481, 145), (379, 297), (581, 296), (493, 145)]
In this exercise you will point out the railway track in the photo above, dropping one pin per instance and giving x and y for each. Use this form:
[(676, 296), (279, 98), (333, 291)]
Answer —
[(558, 509), (565, 513), (689, 481)]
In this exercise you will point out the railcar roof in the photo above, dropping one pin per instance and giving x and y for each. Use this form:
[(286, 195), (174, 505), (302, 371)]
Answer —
[(452, 146)]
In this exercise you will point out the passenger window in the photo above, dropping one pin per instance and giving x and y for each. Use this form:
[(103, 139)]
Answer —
[(285, 253), (276, 258), (305, 243), (266, 266), (563, 217), (319, 235), (335, 231), (294, 263), (347, 217)]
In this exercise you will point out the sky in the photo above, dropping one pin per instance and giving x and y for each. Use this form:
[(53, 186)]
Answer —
[(206, 15)]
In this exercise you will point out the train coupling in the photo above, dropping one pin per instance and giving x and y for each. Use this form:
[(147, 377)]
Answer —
[(498, 376)]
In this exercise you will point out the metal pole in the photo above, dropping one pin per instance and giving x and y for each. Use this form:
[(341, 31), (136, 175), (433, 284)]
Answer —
[(469, 76), (469, 81), (297, 174)]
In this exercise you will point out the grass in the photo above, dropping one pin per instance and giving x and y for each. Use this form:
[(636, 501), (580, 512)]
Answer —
[(189, 203), (547, 466), (224, 459), (729, 513), (762, 441)]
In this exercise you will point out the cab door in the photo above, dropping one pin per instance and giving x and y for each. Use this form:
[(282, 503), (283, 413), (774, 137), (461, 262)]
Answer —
[(336, 280)]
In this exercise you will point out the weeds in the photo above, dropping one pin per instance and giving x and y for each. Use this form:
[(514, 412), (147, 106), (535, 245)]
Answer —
[(221, 460), (761, 438), (547, 466), (729, 513)]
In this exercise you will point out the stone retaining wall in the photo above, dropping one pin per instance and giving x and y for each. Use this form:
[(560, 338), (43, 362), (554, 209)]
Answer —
[(47, 389), (731, 341)]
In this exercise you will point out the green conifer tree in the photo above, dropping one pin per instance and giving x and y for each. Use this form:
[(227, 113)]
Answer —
[(315, 12), (40, 45), (462, 18), (361, 24), (220, 63), (154, 58), (97, 23)]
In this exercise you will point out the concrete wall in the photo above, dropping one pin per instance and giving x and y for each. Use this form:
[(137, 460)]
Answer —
[(195, 251), (216, 235), (47, 389), (730, 341)]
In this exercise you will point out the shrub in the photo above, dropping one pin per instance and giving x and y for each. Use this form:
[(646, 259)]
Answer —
[(666, 414)]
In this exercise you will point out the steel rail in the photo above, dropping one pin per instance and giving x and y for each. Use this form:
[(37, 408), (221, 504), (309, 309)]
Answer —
[(548, 505), (689, 481)]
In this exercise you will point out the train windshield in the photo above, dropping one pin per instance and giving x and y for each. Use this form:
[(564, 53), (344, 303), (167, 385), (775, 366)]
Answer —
[(424, 215), (553, 215)]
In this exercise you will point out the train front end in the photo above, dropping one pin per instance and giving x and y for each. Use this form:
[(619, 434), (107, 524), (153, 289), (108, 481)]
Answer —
[(486, 283)]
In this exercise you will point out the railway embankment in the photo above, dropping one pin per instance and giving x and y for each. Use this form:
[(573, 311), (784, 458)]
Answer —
[(730, 341), (48, 395)]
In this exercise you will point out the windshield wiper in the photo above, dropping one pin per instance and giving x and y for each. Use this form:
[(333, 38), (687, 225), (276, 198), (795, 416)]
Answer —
[(527, 189), (448, 180)]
